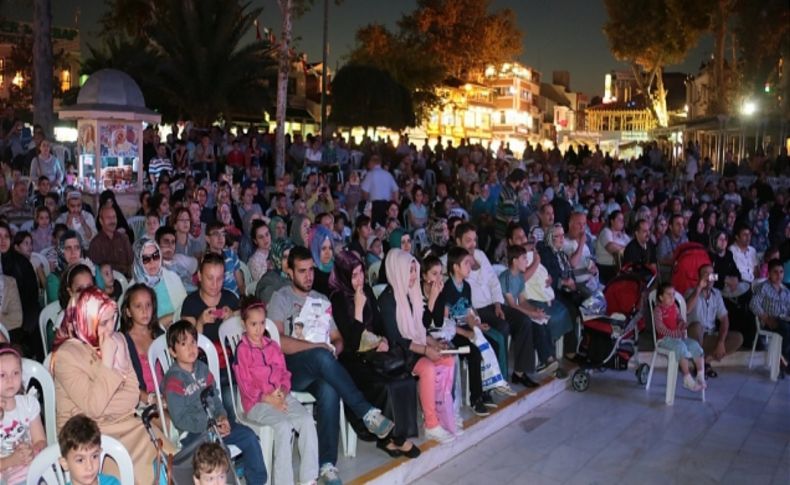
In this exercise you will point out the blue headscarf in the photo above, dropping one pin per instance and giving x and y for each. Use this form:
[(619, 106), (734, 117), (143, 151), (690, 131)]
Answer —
[(321, 234)]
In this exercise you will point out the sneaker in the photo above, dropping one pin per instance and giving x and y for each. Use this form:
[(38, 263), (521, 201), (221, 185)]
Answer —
[(691, 384), (377, 423), (328, 475), (547, 367), (459, 425), (480, 409), (504, 390), (438, 434), (488, 400)]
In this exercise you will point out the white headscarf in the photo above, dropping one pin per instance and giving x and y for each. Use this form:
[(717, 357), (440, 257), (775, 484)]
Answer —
[(408, 300)]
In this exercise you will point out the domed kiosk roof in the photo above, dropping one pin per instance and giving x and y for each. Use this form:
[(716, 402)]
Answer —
[(110, 93)]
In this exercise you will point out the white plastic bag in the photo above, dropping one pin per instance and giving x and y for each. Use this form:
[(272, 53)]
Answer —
[(489, 368)]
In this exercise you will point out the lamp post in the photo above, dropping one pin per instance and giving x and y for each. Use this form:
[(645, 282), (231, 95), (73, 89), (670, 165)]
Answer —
[(748, 109)]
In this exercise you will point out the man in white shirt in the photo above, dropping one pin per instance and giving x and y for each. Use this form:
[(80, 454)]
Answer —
[(584, 269), (489, 303), (745, 256), (380, 188)]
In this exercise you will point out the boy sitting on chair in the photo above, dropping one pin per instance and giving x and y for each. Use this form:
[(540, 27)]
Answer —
[(80, 452), (185, 382)]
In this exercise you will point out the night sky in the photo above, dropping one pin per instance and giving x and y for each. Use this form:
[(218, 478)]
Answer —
[(558, 34)]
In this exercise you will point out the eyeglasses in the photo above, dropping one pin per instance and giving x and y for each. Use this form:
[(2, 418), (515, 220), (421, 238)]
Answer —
[(152, 257)]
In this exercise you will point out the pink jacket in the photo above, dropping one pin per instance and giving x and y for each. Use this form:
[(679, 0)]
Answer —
[(259, 371)]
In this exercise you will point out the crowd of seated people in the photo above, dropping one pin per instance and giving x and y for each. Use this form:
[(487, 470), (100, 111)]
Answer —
[(373, 262)]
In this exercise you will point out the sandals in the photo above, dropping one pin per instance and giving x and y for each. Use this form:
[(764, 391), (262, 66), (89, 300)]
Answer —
[(710, 373)]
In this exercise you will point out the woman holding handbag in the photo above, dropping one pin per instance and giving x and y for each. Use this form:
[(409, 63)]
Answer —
[(379, 371), (401, 306)]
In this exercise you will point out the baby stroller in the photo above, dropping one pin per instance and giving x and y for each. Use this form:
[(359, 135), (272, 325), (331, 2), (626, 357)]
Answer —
[(609, 341), (689, 258)]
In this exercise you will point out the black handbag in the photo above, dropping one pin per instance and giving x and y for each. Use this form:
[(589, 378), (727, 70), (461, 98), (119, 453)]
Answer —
[(392, 363)]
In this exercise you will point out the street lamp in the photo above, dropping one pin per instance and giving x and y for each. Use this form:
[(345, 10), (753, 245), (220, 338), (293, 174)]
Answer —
[(749, 108)]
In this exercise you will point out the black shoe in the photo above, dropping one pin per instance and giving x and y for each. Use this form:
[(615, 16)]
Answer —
[(560, 374), (392, 452), (524, 381), (488, 400), (480, 409)]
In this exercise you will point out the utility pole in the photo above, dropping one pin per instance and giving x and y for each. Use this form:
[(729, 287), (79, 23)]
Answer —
[(324, 67)]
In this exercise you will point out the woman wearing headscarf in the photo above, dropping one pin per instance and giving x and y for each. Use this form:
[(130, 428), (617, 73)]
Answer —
[(278, 228), (276, 277), (147, 268), (300, 230), (563, 282), (357, 316), (323, 253), (696, 230), (94, 376), (401, 315), (439, 236)]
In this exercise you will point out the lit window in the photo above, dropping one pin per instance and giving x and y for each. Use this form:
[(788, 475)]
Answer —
[(65, 80), (18, 80)]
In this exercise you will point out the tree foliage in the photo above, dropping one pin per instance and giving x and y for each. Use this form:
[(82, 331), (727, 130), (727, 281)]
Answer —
[(190, 59), (651, 34), (762, 30), (438, 40), (369, 97)]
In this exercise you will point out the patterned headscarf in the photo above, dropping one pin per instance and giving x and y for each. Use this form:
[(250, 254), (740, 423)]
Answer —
[(320, 234), (273, 226), (438, 233), (82, 317), (340, 279), (279, 247), (138, 270), (408, 300), (395, 238)]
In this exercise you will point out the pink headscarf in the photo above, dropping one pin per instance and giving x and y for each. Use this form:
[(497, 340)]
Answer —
[(83, 315), (408, 300)]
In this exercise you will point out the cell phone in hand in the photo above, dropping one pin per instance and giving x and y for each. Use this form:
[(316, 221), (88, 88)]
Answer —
[(218, 313)]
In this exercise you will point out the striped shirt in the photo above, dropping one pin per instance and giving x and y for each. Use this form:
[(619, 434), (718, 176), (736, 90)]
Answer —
[(771, 301)]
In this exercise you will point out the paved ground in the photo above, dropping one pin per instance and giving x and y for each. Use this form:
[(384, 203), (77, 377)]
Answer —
[(616, 432)]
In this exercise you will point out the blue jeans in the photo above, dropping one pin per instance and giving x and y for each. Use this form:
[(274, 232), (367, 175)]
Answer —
[(318, 372), (251, 454)]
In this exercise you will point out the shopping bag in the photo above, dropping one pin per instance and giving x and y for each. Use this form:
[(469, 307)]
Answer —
[(489, 368)]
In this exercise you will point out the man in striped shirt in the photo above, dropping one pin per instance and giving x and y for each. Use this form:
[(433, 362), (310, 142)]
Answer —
[(508, 202), (771, 304)]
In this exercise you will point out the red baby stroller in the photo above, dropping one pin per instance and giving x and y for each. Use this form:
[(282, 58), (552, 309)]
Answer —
[(610, 342), (689, 258)]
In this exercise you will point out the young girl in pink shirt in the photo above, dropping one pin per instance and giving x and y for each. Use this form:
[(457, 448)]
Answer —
[(265, 387), (671, 332)]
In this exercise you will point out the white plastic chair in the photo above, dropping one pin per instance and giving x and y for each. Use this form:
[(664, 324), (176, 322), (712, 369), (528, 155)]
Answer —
[(120, 278), (249, 286), (35, 371), (348, 437), (4, 332), (46, 467), (51, 312), (41, 261), (230, 332), (672, 358), (773, 353)]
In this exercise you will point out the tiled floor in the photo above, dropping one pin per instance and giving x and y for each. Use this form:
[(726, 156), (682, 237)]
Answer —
[(616, 432)]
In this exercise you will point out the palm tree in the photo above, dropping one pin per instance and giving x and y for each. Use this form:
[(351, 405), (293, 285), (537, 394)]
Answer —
[(204, 69)]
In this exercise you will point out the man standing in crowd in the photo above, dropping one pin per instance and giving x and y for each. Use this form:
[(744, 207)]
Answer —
[(380, 188)]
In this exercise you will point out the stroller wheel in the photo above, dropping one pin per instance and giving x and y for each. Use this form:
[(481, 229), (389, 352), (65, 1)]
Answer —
[(580, 380), (641, 374)]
